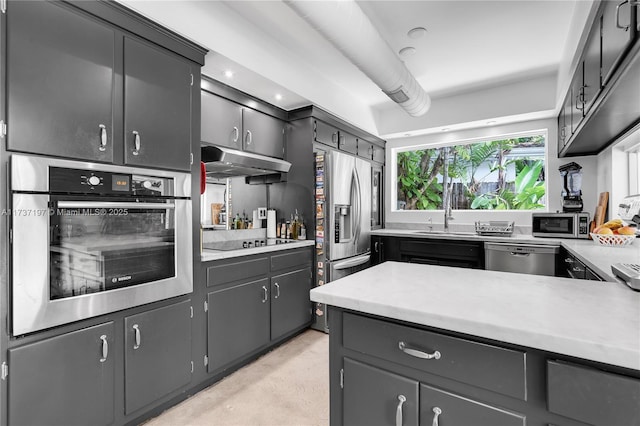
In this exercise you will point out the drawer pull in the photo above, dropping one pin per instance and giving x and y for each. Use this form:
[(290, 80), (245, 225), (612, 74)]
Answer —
[(401, 400), (416, 353), (436, 413)]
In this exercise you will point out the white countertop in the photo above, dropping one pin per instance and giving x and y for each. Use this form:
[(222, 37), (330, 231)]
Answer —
[(208, 255), (598, 258), (584, 319)]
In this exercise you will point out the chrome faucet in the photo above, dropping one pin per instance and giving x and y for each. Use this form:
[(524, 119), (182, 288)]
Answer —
[(446, 194)]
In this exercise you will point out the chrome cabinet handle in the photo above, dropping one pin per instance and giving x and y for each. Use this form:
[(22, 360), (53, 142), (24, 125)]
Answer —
[(436, 413), (416, 353), (375, 247), (265, 294), (105, 348), (576, 269), (568, 260), (334, 138), (277, 286), (401, 400), (103, 138), (136, 143), (249, 137), (136, 330), (626, 27), (236, 134)]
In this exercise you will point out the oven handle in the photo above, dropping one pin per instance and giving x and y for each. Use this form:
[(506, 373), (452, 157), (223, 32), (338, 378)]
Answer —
[(113, 205)]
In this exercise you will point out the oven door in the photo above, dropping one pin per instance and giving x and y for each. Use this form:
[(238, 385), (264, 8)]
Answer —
[(75, 258)]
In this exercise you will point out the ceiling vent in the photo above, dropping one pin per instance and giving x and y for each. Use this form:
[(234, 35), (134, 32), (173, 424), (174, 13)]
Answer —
[(347, 27)]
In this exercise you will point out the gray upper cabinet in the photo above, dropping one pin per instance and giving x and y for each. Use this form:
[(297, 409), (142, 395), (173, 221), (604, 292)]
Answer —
[(157, 354), (72, 79), (221, 122), (325, 134), (348, 143), (262, 134), (64, 380), (157, 105), (616, 35), (60, 82), (229, 124), (377, 154), (591, 70)]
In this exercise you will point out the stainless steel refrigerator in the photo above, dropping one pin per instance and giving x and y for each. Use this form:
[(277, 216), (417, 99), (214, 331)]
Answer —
[(343, 220)]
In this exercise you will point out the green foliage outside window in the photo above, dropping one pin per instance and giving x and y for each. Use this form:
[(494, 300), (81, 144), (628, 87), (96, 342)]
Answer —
[(478, 176)]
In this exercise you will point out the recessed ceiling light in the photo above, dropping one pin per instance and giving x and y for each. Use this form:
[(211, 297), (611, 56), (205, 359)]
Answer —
[(228, 74), (405, 52), (278, 97), (416, 33)]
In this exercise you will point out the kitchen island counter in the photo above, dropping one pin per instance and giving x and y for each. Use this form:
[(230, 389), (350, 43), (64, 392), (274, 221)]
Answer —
[(584, 319)]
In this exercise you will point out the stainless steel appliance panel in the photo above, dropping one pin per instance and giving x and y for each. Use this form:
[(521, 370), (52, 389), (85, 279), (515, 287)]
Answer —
[(335, 271), (526, 259), (348, 205), (560, 225), (34, 306)]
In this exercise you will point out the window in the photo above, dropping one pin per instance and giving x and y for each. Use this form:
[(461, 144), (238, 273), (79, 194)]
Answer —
[(501, 174)]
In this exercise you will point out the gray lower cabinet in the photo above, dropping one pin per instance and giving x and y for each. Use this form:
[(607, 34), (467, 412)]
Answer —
[(60, 82), (64, 380), (290, 306), (254, 302), (157, 105), (238, 322), (438, 406), (372, 396), (157, 354)]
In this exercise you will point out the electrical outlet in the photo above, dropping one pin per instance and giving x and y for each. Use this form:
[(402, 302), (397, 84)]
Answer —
[(262, 212)]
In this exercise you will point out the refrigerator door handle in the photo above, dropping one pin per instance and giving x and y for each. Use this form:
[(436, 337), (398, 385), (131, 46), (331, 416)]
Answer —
[(358, 205), (350, 263)]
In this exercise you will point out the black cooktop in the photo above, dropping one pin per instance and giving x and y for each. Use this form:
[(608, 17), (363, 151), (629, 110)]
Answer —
[(243, 244)]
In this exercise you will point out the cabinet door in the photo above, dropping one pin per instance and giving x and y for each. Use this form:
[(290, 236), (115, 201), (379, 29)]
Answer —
[(325, 134), (221, 121), (372, 396), (238, 322), (614, 39), (290, 303), (591, 83), (568, 115), (60, 82), (440, 407), (157, 354), (562, 136), (377, 196), (262, 133), (64, 380), (377, 154), (364, 149), (157, 105), (348, 143), (577, 106)]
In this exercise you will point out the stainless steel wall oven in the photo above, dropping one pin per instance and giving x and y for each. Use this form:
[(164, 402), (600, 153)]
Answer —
[(88, 239)]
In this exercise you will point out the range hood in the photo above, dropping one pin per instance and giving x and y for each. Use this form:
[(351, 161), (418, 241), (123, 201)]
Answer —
[(221, 163)]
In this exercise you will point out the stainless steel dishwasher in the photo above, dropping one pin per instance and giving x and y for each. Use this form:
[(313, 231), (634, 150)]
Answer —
[(534, 259)]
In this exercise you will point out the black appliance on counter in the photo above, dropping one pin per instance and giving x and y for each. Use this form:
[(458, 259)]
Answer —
[(571, 189)]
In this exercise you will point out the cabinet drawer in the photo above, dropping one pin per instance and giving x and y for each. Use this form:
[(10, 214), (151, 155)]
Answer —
[(290, 259), (490, 367), (229, 272), (454, 409), (592, 396)]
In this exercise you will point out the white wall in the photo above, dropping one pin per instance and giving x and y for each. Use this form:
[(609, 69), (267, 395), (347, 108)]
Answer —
[(468, 217)]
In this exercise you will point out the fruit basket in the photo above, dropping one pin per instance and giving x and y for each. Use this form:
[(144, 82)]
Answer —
[(612, 240)]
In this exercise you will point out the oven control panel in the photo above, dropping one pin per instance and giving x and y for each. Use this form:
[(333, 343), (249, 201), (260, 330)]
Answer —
[(76, 181)]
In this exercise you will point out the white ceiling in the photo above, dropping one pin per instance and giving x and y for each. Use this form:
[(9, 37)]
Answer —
[(469, 46)]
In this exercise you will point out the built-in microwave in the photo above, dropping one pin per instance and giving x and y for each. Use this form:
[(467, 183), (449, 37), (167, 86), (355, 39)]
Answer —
[(560, 225)]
